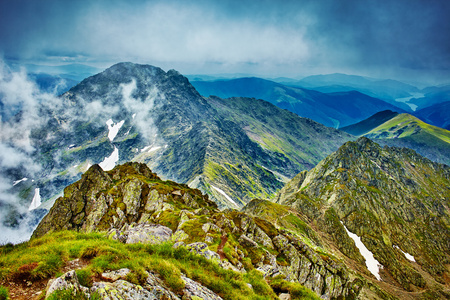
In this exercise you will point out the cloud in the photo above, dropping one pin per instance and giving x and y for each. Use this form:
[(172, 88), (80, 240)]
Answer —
[(245, 36)]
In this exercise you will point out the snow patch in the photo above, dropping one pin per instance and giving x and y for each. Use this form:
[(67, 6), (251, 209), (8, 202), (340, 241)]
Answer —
[(110, 162), (36, 200), (133, 116), (225, 195), (113, 128), (372, 264), (407, 255), (150, 149), (19, 181)]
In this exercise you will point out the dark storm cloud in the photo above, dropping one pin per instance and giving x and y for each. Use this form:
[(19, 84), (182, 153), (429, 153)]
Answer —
[(275, 36)]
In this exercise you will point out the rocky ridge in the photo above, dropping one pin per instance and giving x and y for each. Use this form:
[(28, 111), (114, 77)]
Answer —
[(141, 113), (395, 200), (131, 204)]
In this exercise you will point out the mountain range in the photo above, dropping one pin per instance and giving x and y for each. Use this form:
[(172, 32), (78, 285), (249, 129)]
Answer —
[(337, 109), (154, 190), (234, 149), (365, 223)]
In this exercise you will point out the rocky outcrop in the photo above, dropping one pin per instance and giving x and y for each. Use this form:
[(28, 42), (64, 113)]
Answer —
[(389, 197), (117, 287), (131, 204), (128, 194), (141, 233)]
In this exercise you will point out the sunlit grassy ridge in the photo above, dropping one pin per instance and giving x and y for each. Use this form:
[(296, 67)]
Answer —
[(404, 125), (45, 257)]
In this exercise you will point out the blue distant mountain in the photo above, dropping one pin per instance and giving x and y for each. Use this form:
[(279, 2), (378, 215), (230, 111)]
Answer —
[(436, 114), (387, 90), (331, 109)]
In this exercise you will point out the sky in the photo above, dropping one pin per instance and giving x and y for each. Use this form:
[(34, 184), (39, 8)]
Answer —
[(401, 39)]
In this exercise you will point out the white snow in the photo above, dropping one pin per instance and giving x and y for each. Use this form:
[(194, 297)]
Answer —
[(225, 195), (133, 116), (113, 128), (36, 200), (110, 162), (372, 264), (18, 181), (407, 255), (150, 149)]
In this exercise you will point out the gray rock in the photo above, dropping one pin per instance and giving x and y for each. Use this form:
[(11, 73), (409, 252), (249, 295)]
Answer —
[(142, 233), (247, 241), (193, 288), (202, 249), (65, 282), (157, 288), (121, 289), (117, 274), (285, 296)]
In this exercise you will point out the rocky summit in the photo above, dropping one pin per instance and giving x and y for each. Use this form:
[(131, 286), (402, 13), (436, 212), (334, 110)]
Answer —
[(392, 200), (233, 150)]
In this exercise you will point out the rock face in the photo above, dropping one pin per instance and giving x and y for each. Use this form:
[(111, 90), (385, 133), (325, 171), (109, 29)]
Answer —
[(234, 149), (129, 193), (131, 204), (396, 201)]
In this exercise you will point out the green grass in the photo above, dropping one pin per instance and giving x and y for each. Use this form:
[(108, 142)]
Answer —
[(296, 290), (408, 124), (4, 293), (45, 257)]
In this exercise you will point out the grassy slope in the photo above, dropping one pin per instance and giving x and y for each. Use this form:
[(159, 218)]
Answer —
[(45, 257), (404, 125)]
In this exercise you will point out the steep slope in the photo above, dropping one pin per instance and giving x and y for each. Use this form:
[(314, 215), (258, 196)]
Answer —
[(437, 115), (404, 130), (363, 127), (140, 113), (334, 110), (390, 200), (133, 205)]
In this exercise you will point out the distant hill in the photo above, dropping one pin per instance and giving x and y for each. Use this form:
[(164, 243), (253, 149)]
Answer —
[(386, 89), (432, 96), (404, 130), (436, 114), (367, 125), (333, 109)]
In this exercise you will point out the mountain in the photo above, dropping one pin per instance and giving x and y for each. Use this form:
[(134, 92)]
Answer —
[(369, 124), (54, 84), (431, 96), (334, 109), (389, 205), (404, 130), (234, 149), (436, 114), (366, 223), (386, 89), (131, 205)]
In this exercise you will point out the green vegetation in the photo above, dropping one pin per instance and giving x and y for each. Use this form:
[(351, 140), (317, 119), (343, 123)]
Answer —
[(404, 125), (45, 257), (4, 293), (296, 290)]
